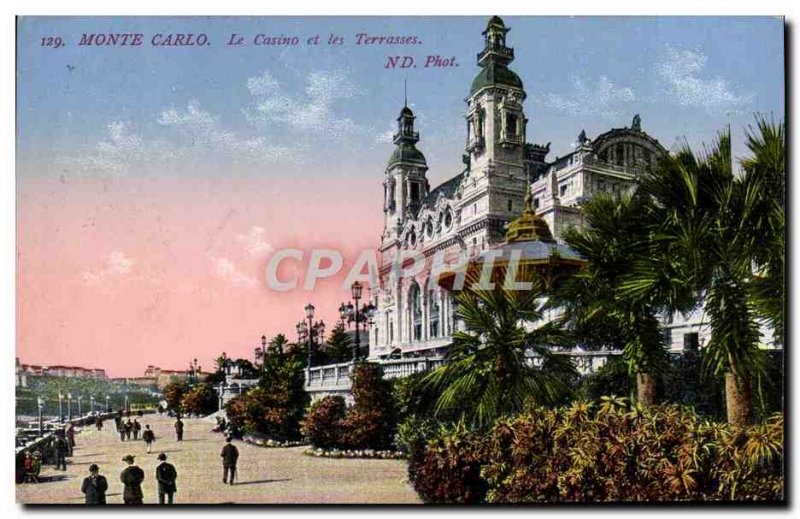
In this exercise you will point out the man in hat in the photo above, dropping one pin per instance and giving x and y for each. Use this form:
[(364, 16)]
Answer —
[(94, 486), (132, 478), (60, 448), (229, 455), (136, 428), (166, 476), (149, 437), (179, 429), (128, 429)]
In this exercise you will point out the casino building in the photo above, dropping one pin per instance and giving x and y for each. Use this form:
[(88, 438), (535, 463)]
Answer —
[(469, 213)]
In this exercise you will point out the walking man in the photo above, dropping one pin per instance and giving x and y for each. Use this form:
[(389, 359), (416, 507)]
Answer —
[(128, 429), (166, 476), (69, 432), (132, 478), (149, 437), (136, 428), (99, 423), (94, 486), (61, 447), (229, 455), (179, 429)]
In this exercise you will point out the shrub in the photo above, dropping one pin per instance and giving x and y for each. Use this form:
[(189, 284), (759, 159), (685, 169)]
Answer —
[(275, 408), (199, 400), (449, 469), (173, 394), (369, 424), (322, 426), (612, 452)]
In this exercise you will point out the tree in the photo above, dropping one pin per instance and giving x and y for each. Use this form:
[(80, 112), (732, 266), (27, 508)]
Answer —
[(596, 308), (173, 394), (199, 400), (340, 345), (723, 233), (487, 374)]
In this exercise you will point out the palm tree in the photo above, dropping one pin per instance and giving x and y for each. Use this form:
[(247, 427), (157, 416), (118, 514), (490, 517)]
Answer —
[(723, 234), (487, 374), (279, 344), (594, 306)]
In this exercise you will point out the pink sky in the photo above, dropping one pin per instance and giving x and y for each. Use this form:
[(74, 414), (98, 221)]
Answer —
[(123, 272)]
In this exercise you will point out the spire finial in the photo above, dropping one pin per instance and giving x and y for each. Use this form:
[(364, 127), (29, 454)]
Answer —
[(405, 92)]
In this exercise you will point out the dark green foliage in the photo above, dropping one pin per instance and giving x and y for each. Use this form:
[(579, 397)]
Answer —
[(276, 407), (199, 400), (173, 394), (611, 379), (323, 421), (609, 452), (487, 373), (370, 424), (339, 347)]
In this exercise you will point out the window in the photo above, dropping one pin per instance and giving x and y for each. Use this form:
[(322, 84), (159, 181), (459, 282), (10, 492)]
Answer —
[(562, 190), (536, 203), (474, 209), (510, 204), (434, 305), (416, 313), (511, 125), (414, 192)]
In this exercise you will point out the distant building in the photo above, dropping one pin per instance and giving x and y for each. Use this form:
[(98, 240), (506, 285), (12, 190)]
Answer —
[(31, 370), (164, 377)]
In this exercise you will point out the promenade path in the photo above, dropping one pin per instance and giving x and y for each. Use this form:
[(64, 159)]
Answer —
[(265, 475)]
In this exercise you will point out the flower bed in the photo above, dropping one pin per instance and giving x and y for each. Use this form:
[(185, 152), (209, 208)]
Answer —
[(355, 454), (270, 443)]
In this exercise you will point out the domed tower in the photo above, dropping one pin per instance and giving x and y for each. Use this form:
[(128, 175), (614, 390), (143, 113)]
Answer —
[(405, 184), (494, 186)]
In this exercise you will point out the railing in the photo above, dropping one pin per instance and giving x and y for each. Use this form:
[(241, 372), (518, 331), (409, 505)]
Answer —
[(330, 376), (336, 377)]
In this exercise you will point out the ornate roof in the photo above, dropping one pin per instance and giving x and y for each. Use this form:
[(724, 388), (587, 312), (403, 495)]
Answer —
[(407, 153), (495, 74)]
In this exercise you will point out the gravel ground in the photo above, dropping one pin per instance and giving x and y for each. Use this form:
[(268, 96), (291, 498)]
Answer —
[(281, 475)]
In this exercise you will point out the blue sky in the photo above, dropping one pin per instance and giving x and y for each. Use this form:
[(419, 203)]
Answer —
[(100, 109)]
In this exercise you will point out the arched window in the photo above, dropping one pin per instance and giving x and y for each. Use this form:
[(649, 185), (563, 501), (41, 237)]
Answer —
[(434, 311), (416, 312)]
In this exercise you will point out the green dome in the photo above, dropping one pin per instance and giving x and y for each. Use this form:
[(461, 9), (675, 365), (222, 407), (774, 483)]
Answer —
[(494, 74), (406, 152)]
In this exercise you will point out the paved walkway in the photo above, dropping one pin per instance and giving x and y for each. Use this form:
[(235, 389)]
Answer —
[(266, 475)]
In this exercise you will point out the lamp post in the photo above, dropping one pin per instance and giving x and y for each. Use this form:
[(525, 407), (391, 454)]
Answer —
[(91, 403), (40, 407), (60, 406), (310, 316), (80, 409), (261, 353), (107, 399), (356, 289), (69, 405), (127, 403)]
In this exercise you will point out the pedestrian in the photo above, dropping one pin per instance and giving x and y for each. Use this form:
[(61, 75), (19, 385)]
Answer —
[(60, 447), (121, 431), (166, 474), (94, 486), (149, 437), (229, 455), (179, 429), (136, 428), (99, 423), (132, 478), (128, 429), (118, 421), (69, 431)]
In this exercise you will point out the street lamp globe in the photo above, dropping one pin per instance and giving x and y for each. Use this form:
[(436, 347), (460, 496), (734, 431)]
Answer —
[(263, 340), (309, 311), (357, 287)]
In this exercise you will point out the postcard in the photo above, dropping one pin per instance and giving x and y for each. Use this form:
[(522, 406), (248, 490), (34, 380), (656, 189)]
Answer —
[(400, 260)]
